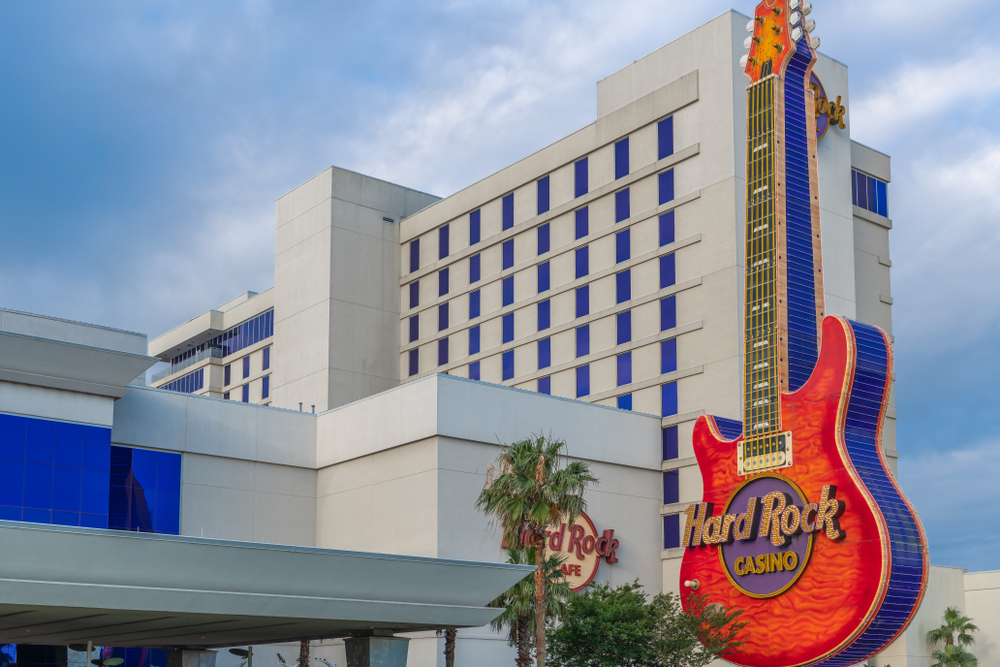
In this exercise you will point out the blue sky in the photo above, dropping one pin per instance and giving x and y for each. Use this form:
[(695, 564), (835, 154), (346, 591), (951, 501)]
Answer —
[(143, 144)]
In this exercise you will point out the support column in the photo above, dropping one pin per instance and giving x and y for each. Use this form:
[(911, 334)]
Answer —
[(376, 651), (191, 658)]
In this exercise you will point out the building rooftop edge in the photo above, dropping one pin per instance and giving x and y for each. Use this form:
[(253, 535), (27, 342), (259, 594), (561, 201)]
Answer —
[(358, 173), (63, 319)]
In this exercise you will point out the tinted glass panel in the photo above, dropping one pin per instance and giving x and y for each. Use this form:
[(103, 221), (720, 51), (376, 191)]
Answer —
[(581, 177), (582, 261), (624, 327), (624, 369), (669, 392), (667, 187), (414, 362), (667, 234), (508, 327), (672, 531), (543, 239), (144, 494), (246, 393), (474, 371), (665, 137), (474, 340), (668, 270), (267, 358), (623, 206), (444, 242), (623, 286), (621, 159), (544, 281), (12, 437), (414, 294), (68, 449), (582, 381), (508, 211), (475, 268), (443, 317), (508, 365), (246, 366), (623, 246), (583, 301), (265, 386), (474, 302), (414, 328), (544, 353), (475, 233), (543, 195), (414, 255), (668, 313), (508, 253), (444, 283), (582, 223), (670, 443), (582, 341), (625, 402), (442, 352), (507, 288), (544, 315), (545, 385), (668, 356)]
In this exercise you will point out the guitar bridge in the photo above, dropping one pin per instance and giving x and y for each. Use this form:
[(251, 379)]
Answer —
[(764, 453)]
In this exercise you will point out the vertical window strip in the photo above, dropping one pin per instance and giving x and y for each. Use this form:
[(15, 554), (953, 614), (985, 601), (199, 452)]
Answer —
[(667, 229), (475, 227), (443, 316), (623, 205), (582, 222), (507, 250), (508, 211), (583, 381), (544, 353), (671, 487), (544, 277), (444, 283), (443, 351), (582, 341), (474, 338), (623, 286), (581, 177), (668, 356), (414, 255), (414, 294), (672, 531), (543, 195), (582, 261), (246, 393), (624, 362), (507, 324), (665, 138), (444, 242), (669, 395), (507, 361), (624, 327), (543, 239), (668, 270), (414, 361), (475, 268), (474, 373), (668, 313), (414, 328), (475, 303), (544, 315), (507, 289), (545, 385), (671, 443), (621, 159), (623, 246), (625, 402), (265, 387), (583, 301), (666, 179)]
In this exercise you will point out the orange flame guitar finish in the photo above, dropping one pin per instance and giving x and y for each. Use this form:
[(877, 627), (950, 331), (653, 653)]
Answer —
[(843, 581), (772, 41)]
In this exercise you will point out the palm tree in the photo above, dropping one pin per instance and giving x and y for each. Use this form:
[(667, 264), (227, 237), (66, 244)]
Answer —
[(529, 490), (956, 633), (450, 639), (518, 616), (954, 656)]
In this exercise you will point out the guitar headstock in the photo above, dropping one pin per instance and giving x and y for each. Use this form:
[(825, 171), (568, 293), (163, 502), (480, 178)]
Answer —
[(777, 30)]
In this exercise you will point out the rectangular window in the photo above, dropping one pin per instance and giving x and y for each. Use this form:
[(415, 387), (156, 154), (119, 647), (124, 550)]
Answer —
[(443, 351), (672, 531), (508, 211), (624, 327), (668, 270), (621, 159), (265, 386), (582, 341), (228, 375), (225, 396), (246, 366), (624, 369), (267, 359), (246, 393), (544, 353), (414, 255), (508, 365), (543, 239), (881, 198), (582, 261), (582, 381), (475, 228), (474, 371), (414, 361), (581, 178), (475, 268), (545, 386), (582, 222), (623, 286), (667, 235), (508, 253), (544, 315), (543, 195), (444, 284), (669, 392), (414, 294), (414, 328), (474, 340), (668, 356), (474, 304), (443, 317), (668, 313), (670, 443), (671, 488), (623, 246), (625, 402), (507, 287), (666, 186), (869, 193), (508, 327), (623, 205), (544, 277), (583, 301), (665, 138), (444, 241)]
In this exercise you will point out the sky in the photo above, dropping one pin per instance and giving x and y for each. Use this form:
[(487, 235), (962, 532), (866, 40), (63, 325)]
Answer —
[(143, 145)]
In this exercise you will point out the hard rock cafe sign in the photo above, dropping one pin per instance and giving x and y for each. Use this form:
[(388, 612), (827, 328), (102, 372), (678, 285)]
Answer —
[(581, 547), (828, 112)]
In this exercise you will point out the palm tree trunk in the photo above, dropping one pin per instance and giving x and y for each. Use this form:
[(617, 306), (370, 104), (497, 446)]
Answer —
[(303, 654), (540, 600), (523, 642), (450, 637)]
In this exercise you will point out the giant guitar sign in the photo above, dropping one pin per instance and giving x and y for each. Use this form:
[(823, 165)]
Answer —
[(802, 526)]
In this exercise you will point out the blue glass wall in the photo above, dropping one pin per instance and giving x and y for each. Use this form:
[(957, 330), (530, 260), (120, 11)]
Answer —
[(145, 491), (190, 383), (239, 337)]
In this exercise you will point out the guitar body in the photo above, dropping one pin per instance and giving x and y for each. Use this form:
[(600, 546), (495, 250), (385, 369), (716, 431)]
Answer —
[(855, 594)]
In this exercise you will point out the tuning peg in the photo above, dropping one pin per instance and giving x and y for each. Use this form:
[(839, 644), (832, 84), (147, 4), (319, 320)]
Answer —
[(750, 41), (750, 25), (814, 43), (796, 34), (744, 60), (807, 8), (795, 18), (809, 26)]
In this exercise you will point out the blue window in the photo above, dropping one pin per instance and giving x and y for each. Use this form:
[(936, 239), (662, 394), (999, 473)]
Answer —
[(543, 195), (672, 531), (265, 386), (475, 268), (544, 277), (668, 270), (625, 402), (144, 493), (582, 381), (545, 385), (188, 384), (581, 178), (228, 375), (414, 328), (444, 242), (246, 393), (507, 323), (665, 138), (414, 255), (508, 211), (623, 246), (475, 227), (624, 369), (474, 340), (230, 342), (582, 341), (442, 351), (544, 353), (621, 159), (474, 371), (668, 356), (414, 361), (623, 286), (543, 239), (246, 367), (870, 193), (508, 253), (414, 294), (544, 315), (670, 443), (507, 287), (667, 234), (671, 488), (474, 304), (583, 301), (582, 222), (624, 327), (666, 186), (225, 396), (267, 359), (443, 317), (668, 313), (669, 392), (507, 361), (623, 205), (443, 282), (582, 261)]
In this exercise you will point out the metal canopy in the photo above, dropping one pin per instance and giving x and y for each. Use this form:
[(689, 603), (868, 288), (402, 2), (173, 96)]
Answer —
[(63, 585)]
